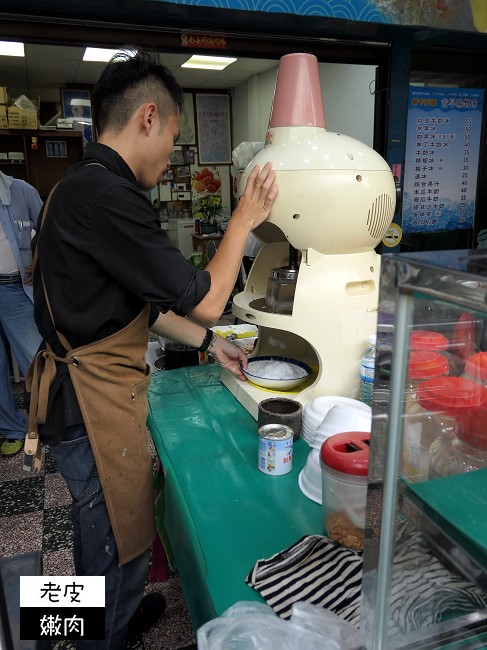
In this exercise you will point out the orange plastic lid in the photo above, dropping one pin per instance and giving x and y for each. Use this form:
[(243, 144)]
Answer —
[(425, 365), (451, 395), (426, 340), (347, 452), (476, 365)]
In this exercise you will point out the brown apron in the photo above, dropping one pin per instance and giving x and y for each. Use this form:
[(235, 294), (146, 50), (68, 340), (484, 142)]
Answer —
[(111, 379)]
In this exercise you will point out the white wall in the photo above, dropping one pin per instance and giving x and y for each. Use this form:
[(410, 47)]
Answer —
[(251, 107), (348, 104)]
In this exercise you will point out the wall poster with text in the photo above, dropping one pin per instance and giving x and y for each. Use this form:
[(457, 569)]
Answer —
[(213, 120), (442, 155)]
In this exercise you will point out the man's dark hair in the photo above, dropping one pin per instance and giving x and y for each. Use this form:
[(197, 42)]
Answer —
[(129, 80)]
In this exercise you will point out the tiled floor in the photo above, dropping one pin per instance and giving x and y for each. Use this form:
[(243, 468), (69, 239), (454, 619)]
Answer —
[(35, 516)]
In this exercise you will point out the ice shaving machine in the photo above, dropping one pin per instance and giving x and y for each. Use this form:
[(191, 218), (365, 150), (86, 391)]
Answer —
[(313, 287)]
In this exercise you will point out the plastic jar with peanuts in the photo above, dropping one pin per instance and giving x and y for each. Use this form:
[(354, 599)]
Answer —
[(344, 468)]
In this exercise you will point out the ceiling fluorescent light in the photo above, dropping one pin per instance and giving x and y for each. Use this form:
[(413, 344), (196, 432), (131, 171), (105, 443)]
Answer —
[(8, 48), (208, 62), (100, 54)]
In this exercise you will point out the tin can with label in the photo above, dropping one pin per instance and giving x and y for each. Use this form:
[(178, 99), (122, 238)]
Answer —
[(275, 449)]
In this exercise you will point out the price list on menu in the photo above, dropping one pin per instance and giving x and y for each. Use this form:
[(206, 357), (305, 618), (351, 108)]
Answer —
[(441, 165)]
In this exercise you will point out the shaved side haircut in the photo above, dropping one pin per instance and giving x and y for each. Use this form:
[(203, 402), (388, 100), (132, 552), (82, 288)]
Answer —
[(129, 80)]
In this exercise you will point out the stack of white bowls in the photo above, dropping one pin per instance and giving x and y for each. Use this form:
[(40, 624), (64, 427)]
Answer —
[(324, 417), (309, 479), (349, 413)]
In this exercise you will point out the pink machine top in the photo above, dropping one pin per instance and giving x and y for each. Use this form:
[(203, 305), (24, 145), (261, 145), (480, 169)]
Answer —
[(297, 96)]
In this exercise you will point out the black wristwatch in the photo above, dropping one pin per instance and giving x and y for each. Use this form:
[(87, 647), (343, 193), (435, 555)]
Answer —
[(207, 341)]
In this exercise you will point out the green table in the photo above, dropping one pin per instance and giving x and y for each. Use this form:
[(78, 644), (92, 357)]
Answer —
[(222, 513)]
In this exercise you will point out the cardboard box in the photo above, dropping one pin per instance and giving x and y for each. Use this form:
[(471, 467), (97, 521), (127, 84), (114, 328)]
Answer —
[(65, 123), (3, 117), (16, 156), (3, 95), (19, 118)]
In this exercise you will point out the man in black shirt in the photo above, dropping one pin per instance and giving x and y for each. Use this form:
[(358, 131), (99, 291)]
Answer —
[(105, 273)]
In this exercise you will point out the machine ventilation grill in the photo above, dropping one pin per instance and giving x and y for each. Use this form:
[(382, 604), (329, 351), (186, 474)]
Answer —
[(380, 215)]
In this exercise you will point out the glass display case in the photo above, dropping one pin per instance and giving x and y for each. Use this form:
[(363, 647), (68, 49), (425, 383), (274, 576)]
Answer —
[(425, 556)]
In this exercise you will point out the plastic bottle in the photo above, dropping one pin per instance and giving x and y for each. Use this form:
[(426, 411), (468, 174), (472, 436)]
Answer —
[(455, 456), (367, 370), (466, 450), (422, 424)]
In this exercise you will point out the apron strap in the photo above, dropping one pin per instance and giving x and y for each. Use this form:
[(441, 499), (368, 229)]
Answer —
[(32, 447), (60, 336), (38, 381)]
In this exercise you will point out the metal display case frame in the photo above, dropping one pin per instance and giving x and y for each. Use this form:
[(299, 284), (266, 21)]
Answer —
[(427, 291)]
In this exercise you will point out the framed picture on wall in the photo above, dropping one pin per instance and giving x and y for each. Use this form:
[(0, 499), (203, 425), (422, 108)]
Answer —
[(76, 105), (56, 149), (187, 131), (177, 156), (188, 156), (213, 121), (182, 173)]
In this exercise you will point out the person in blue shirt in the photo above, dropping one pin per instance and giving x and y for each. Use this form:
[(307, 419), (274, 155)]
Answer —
[(20, 205)]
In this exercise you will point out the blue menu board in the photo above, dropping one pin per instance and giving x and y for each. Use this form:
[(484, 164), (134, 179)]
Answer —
[(442, 153)]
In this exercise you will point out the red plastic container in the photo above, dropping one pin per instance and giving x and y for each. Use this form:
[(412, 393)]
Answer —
[(344, 468)]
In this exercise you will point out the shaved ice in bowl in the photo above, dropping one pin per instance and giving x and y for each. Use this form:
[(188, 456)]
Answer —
[(277, 373)]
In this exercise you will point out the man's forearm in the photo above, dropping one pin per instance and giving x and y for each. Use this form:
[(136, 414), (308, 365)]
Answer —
[(179, 329)]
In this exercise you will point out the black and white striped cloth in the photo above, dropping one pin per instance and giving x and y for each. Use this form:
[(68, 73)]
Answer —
[(318, 571), (314, 570), (423, 591)]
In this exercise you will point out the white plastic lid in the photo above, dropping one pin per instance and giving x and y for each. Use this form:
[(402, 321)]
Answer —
[(373, 339)]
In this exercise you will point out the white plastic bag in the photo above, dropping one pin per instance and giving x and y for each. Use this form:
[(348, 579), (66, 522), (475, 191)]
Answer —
[(255, 626), (244, 152), (338, 634)]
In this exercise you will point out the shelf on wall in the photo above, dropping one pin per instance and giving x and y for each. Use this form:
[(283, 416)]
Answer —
[(43, 165)]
